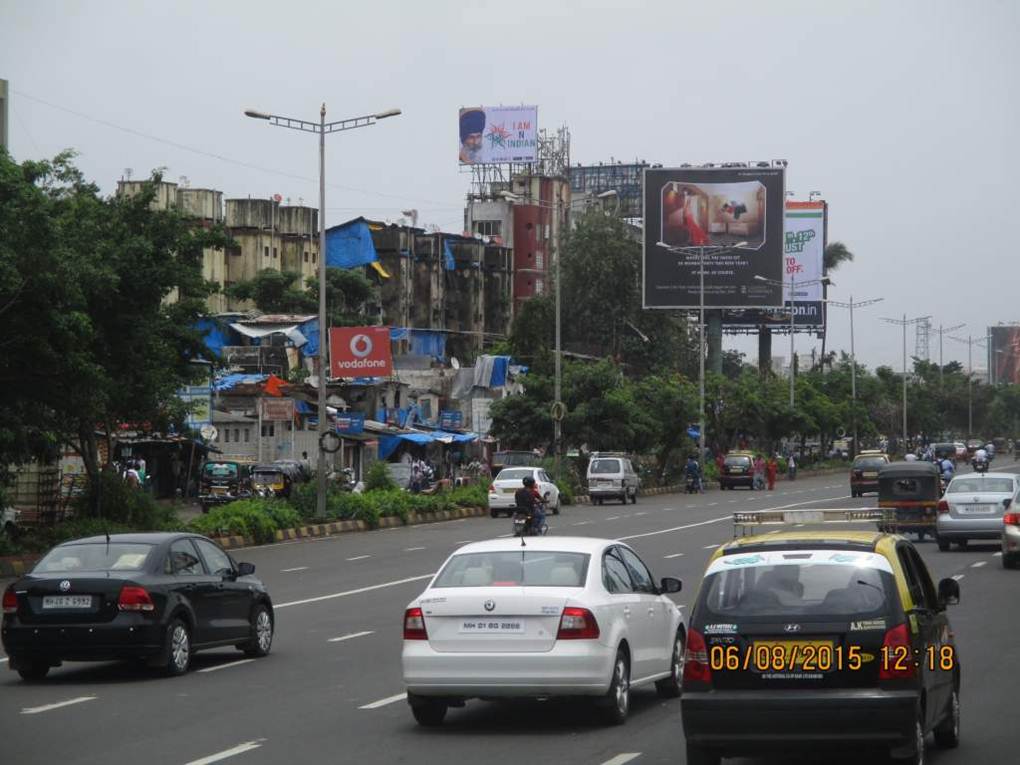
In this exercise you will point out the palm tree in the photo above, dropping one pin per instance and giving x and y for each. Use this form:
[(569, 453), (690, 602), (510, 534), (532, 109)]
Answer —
[(835, 255)]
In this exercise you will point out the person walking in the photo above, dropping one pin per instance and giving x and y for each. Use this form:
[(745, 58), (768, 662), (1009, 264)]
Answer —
[(771, 472), (792, 467), (759, 473)]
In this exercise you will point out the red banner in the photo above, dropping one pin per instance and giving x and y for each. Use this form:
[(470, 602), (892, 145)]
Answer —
[(360, 352)]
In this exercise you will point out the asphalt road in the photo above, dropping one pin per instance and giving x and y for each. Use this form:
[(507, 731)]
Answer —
[(331, 689)]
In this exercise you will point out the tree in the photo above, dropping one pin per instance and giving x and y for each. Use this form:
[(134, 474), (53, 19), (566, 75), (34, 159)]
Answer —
[(274, 291), (835, 255)]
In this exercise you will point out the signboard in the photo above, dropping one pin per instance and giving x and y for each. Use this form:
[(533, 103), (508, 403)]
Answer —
[(199, 399), (451, 420), (493, 135), (481, 420), (360, 352), (733, 216), (276, 409), (350, 422), (1005, 354), (803, 260)]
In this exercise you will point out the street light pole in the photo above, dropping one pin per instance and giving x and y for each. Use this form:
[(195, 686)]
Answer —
[(557, 422), (793, 314), (853, 358), (971, 342), (905, 322), (321, 128)]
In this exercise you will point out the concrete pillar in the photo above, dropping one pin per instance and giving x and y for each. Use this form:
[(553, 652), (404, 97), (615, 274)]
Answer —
[(764, 350), (713, 330)]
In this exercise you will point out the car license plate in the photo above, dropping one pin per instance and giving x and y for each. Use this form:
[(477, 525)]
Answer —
[(736, 470), (870, 475), (67, 601), (794, 651), (976, 509), (509, 491), (219, 489), (491, 627)]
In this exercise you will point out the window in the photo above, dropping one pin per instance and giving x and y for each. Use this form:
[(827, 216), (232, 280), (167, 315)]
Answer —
[(970, 485), (615, 577), (639, 574), (220, 469), (306, 256), (247, 435), (539, 260), (116, 556), (544, 476), (929, 598), (217, 561), (604, 467), (489, 227), (313, 257), (268, 429), (183, 559), (226, 435), (514, 474), (274, 253), (508, 569), (265, 252), (237, 435)]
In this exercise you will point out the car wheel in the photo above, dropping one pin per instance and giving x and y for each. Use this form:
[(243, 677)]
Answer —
[(178, 648), (962, 544), (669, 687), (1008, 561), (943, 544), (633, 497), (493, 513), (616, 703), (623, 497), (698, 755), (556, 510), (916, 755), (427, 712), (947, 732), (261, 633), (32, 670)]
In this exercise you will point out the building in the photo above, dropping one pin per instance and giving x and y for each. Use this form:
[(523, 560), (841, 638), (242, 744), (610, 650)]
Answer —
[(626, 180)]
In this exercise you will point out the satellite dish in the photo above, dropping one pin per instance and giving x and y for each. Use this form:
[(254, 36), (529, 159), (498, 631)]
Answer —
[(209, 432), (454, 363)]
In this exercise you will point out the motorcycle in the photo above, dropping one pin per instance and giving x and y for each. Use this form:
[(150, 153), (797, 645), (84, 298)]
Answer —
[(524, 525), (980, 466), (692, 485)]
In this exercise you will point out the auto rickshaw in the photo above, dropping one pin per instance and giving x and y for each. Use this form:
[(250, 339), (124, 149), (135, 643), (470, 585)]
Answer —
[(909, 493), (275, 479)]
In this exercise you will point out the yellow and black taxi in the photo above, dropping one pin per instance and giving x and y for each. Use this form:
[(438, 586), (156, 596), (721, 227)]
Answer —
[(864, 471), (737, 470), (812, 640)]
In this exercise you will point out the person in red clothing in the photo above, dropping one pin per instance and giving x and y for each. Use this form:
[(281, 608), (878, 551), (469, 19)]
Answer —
[(771, 470)]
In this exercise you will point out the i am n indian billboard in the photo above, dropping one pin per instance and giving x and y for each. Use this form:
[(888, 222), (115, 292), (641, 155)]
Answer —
[(493, 135)]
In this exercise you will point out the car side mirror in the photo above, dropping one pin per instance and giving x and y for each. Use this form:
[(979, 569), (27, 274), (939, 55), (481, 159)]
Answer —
[(247, 569), (949, 592), (670, 584)]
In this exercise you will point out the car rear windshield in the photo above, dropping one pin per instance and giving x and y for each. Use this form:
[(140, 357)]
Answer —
[(604, 466), (220, 469), (94, 556), (869, 463), (515, 474), (979, 485), (269, 475), (740, 460), (509, 569), (811, 592)]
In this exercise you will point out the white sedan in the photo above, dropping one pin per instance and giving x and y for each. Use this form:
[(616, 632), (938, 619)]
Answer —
[(561, 616), (509, 480)]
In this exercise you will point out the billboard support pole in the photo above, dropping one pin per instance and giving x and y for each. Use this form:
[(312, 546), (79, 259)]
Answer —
[(701, 359), (793, 367)]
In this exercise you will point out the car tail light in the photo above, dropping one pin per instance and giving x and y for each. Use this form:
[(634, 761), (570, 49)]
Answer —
[(134, 598), (10, 602), (414, 625), (696, 668), (897, 661), (943, 507), (577, 624), (492, 488), (1010, 519)]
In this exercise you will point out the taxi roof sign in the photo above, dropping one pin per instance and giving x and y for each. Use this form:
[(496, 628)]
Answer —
[(752, 518)]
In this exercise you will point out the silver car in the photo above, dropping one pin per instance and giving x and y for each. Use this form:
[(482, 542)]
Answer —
[(973, 507), (1011, 534)]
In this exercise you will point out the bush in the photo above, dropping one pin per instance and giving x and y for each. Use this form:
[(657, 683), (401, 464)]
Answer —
[(566, 493), (121, 503), (378, 478), (303, 497), (255, 518), (474, 495)]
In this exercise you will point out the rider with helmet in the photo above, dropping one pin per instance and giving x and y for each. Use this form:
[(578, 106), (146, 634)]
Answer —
[(530, 503)]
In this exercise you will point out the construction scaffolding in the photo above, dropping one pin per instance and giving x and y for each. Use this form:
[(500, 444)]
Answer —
[(922, 340)]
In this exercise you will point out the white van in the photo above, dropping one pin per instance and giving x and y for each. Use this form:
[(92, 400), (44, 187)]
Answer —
[(611, 476)]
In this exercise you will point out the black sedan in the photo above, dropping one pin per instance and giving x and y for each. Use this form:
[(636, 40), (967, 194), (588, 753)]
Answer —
[(155, 597)]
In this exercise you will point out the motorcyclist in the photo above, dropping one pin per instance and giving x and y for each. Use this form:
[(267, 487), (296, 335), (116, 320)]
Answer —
[(693, 471), (980, 457), (529, 503), (947, 469)]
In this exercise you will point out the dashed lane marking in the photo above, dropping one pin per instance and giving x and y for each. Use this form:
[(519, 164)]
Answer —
[(229, 664), (709, 547), (958, 577), (57, 705), (353, 635), (581, 523), (997, 555), (384, 702), (3, 660), (674, 555), (641, 513), (504, 536), (463, 542), (613, 518), (247, 746), (290, 570), (620, 759), (979, 564), (712, 504), (412, 549), (359, 557), (344, 594)]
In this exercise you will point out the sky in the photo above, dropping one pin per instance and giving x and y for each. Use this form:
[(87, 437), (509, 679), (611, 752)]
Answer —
[(903, 114)]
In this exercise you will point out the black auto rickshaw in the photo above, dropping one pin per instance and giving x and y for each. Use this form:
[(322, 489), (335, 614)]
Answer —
[(275, 479), (223, 481), (909, 494)]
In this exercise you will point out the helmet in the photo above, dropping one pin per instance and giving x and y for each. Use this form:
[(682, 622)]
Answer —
[(529, 481)]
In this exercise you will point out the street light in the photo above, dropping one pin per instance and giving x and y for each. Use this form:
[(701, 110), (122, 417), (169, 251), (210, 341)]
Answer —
[(942, 331), (905, 322), (701, 250), (971, 342), (853, 357), (793, 312), (321, 128)]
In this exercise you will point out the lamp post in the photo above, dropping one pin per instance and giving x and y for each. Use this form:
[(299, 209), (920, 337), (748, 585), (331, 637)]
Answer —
[(793, 314), (321, 128), (905, 322), (853, 357), (971, 342), (942, 331)]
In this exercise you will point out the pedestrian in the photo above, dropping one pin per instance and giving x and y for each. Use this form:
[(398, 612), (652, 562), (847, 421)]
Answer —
[(759, 473), (792, 467), (720, 461), (771, 471)]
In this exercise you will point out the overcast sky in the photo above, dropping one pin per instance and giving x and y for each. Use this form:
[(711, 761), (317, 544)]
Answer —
[(903, 114)]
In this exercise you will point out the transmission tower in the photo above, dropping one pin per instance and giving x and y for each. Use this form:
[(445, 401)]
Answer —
[(922, 333)]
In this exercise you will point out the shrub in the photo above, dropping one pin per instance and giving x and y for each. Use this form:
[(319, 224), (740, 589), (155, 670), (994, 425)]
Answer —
[(566, 493), (474, 495), (247, 517), (121, 503), (378, 478), (303, 497)]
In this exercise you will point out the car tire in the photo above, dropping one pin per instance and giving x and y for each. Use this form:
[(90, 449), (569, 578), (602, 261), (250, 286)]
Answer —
[(633, 497), (962, 544), (615, 705), (556, 510), (262, 630), (947, 732), (428, 712), (917, 747), (32, 670), (669, 687), (699, 755), (943, 544), (623, 497), (178, 648), (1008, 560), (493, 513)]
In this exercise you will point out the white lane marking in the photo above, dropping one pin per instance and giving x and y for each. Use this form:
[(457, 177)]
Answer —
[(463, 542), (958, 577), (997, 555), (641, 513), (979, 564), (354, 592), (620, 759), (384, 702), (247, 746), (353, 635), (359, 557), (412, 549), (3, 660), (712, 504), (674, 555), (613, 518), (504, 536), (58, 705), (288, 570), (709, 547), (733, 501), (581, 523), (218, 667)]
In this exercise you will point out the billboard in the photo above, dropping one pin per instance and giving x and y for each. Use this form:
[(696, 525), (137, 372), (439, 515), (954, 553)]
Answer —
[(735, 214), (360, 352), (492, 135), (1005, 353), (276, 409), (803, 256)]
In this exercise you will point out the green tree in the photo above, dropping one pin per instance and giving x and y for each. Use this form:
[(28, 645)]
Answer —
[(274, 291)]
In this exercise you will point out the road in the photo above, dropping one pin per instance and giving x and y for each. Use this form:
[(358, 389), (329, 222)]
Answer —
[(331, 689)]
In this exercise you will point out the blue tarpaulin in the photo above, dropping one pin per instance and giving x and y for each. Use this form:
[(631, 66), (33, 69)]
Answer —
[(215, 337), (499, 369), (310, 329), (227, 382), (423, 342), (457, 438), (350, 245), (448, 262), (389, 444), (303, 407)]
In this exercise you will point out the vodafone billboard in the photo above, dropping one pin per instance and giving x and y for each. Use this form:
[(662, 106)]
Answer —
[(360, 352)]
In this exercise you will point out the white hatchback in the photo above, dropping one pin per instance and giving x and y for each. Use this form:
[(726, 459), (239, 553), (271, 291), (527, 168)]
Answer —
[(505, 485), (559, 616)]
